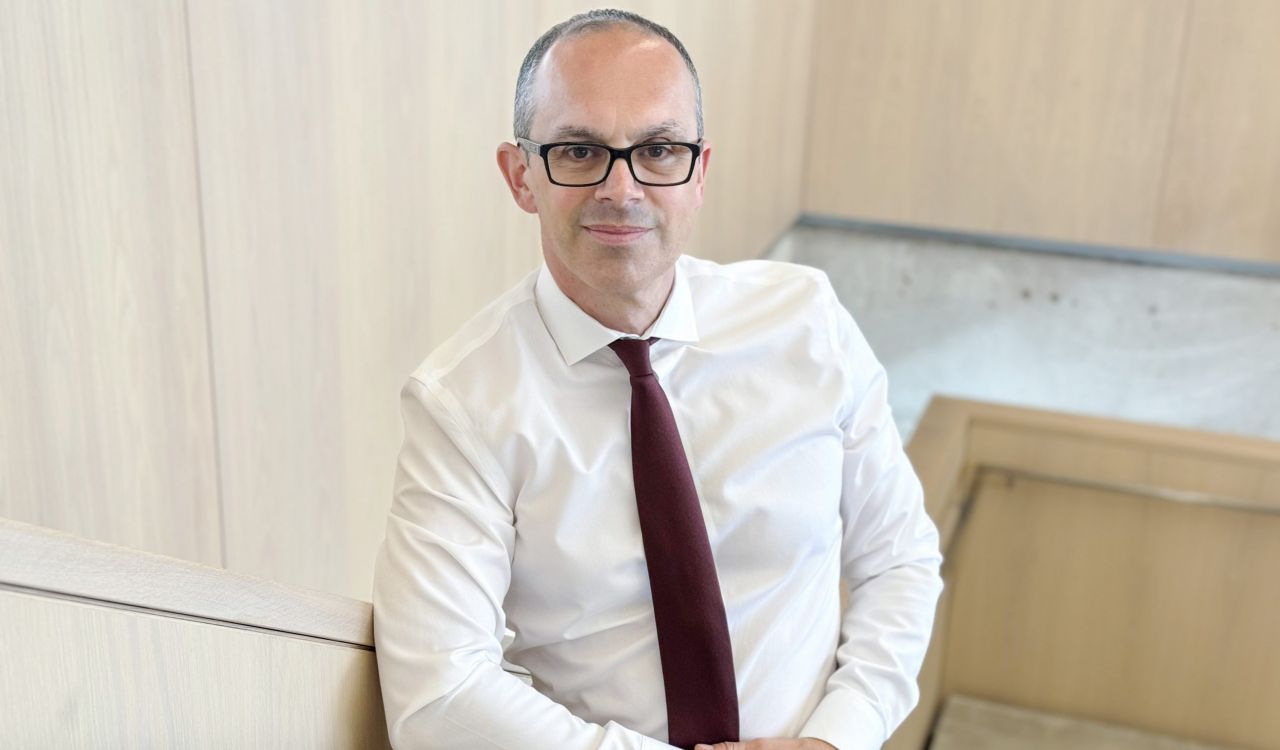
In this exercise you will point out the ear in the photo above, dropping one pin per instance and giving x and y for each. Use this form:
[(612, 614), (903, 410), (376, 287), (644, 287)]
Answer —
[(700, 171), (515, 170)]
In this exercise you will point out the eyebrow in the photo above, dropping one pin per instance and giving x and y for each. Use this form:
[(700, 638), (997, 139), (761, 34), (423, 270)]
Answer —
[(670, 127)]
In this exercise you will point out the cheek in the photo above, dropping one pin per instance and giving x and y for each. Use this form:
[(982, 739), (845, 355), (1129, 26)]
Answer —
[(676, 213), (555, 216), (564, 211)]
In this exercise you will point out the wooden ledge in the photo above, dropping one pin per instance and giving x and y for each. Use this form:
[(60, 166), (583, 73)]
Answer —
[(46, 561)]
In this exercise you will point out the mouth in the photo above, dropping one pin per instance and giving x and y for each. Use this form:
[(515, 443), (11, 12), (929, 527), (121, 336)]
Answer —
[(614, 234)]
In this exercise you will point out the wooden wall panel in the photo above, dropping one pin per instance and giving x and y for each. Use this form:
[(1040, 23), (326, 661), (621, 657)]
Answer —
[(355, 216), (1222, 188), (1068, 538), (82, 674), (1236, 472), (333, 140), (754, 61), (106, 423), (1151, 125), (107, 646), (1026, 117), (1120, 608)]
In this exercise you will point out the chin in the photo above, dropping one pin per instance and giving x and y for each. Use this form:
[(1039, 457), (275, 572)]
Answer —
[(615, 280), (615, 269), (620, 275)]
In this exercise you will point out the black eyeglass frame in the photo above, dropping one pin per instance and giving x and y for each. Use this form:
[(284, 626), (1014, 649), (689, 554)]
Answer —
[(542, 149)]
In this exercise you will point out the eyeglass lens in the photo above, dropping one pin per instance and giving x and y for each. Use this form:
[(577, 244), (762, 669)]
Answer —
[(655, 163)]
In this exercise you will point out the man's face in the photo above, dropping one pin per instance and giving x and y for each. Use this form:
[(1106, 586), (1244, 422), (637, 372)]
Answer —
[(616, 87)]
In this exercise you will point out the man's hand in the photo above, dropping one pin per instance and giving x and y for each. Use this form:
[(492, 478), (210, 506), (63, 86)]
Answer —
[(804, 743)]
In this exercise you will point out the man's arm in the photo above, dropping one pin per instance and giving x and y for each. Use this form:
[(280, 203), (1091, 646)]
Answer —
[(889, 563), (439, 581)]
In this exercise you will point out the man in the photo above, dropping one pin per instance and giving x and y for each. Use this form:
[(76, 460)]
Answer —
[(640, 476)]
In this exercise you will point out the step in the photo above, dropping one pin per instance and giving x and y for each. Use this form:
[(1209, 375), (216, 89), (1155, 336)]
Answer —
[(968, 723)]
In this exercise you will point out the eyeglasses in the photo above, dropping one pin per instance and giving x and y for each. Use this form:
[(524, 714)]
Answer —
[(656, 163)]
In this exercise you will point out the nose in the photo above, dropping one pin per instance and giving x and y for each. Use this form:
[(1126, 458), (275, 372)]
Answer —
[(619, 186)]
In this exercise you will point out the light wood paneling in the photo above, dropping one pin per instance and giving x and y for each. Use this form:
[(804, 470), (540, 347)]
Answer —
[(106, 424), (350, 200), (1020, 117), (1123, 571), (1149, 125), (106, 646), (1027, 117), (754, 60), (33, 557), (1120, 608), (355, 216), (1222, 189), (1077, 447), (1211, 472), (83, 675), (968, 723)]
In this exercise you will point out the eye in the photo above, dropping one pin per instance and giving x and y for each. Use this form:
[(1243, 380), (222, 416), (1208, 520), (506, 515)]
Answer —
[(580, 152), (656, 151)]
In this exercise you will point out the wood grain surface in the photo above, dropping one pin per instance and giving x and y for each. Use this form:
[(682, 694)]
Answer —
[(1103, 569), (106, 413), (80, 675), (1120, 608), (355, 216), (1151, 125)]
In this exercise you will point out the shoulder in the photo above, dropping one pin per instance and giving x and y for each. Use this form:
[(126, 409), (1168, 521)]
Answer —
[(474, 371), (480, 365), (756, 273), (763, 294), (484, 338)]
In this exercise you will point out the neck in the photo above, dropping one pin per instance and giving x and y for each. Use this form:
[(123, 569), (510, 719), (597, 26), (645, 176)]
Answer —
[(632, 312)]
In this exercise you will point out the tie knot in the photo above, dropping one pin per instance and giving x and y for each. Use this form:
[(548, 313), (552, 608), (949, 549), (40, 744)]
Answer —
[(634, 354)]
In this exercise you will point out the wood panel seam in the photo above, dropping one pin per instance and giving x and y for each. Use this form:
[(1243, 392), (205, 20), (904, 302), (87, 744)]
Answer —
[(1162, 183), (1230, 455), (175, 615), (807, 131), (204, 275), (1165, 494)]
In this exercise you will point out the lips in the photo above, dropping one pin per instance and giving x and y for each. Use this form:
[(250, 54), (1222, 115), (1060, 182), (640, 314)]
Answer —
[(615, 234)]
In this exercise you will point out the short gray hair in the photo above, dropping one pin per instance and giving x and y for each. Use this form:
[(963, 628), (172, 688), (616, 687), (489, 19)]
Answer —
[(583, 23)]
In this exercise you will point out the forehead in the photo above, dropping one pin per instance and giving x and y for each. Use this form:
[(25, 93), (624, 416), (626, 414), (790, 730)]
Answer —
[(616, 84)]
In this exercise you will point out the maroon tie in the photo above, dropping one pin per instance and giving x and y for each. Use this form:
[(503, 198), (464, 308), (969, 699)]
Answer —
[(693, 634)]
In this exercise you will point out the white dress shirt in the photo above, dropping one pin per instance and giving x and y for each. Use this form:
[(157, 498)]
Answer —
[(513, 543)]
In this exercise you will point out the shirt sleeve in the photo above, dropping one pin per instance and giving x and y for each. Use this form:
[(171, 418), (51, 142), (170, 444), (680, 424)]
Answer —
[(440, 578), (890, 563)]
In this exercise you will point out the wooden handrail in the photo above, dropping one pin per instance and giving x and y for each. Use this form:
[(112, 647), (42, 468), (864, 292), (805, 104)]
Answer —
[(46, 561)]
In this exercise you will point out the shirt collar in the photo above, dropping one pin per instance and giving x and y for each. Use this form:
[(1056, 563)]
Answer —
[(578, 335)]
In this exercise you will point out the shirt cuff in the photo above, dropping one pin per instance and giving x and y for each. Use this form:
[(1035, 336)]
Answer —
[(847, 721)]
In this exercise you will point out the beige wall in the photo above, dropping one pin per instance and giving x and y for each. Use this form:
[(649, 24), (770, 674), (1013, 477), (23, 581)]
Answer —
[(106, 404), (231, 229), (1146, 124)]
